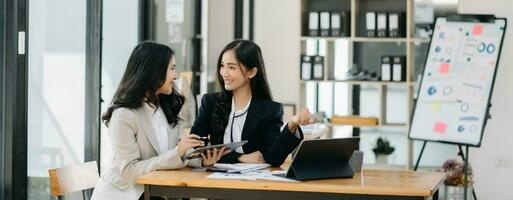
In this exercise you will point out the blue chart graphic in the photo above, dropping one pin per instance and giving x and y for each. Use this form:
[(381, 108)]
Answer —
[(432, 91), (461, 128)]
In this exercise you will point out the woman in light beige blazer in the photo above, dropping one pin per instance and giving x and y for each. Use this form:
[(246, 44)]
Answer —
[(144, 125)]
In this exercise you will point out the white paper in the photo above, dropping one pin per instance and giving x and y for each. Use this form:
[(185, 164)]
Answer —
[(241, 167), (261, 175), (219, 175)]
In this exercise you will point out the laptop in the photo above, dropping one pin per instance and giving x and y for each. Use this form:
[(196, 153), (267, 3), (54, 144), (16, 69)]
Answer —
[(323, 159)]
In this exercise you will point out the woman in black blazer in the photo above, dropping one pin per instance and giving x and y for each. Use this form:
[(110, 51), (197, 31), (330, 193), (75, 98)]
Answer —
[(244, 110)]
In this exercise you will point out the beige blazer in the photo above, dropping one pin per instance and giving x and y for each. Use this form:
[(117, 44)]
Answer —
[(135, 153)]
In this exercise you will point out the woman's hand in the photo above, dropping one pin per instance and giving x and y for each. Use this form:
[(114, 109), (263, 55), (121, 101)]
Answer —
[(302, 118), (255, 157), (188, 141), (213, 156)]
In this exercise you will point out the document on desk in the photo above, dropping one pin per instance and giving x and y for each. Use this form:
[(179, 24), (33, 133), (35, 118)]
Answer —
[(254, 175), (240, 167)]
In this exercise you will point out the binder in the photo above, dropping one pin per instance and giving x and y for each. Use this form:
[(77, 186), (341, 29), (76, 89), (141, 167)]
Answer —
[(336, 24), (340, 22), (325, 24), (381, 24), (370, 24), (396, 24), (313, 24), (306, 67), (318, 68), (399, 68), (386, 69)]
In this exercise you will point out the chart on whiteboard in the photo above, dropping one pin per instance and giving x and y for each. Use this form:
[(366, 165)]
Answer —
[(457, 81)]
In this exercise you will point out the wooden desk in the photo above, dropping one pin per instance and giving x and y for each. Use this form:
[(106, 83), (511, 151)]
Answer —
[(370, 184)]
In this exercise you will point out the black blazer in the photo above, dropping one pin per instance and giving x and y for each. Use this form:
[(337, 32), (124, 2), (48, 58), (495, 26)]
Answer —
[(261, 129)]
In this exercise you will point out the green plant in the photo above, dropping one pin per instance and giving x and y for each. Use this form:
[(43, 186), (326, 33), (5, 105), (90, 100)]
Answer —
[(383, 147), (455, 170)]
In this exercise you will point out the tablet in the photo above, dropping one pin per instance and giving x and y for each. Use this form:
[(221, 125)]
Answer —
[(197, 152)]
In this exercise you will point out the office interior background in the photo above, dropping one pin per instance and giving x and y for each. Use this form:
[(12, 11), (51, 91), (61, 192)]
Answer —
[(62, 60)]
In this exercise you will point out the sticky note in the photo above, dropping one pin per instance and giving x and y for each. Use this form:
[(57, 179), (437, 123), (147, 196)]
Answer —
[(436, 107), (440, 127), (444, 68), (477, 30)]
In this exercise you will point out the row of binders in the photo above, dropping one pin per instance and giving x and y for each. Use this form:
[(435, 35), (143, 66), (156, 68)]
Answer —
[(385, 24), (312, 67), (326, 24), (393, 68)]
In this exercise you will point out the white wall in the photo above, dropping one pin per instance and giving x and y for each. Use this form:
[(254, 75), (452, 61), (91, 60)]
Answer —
[(493, 161), (220, 32), (277, 31)]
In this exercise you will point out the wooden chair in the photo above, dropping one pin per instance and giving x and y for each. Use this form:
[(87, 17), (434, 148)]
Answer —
[(73, 178)]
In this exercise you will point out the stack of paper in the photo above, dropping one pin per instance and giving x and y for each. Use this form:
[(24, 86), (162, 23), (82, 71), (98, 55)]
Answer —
[(254, 175), (240, 167)]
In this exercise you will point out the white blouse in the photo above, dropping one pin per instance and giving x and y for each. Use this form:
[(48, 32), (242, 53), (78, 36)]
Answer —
[(159, 122), (233, 131)]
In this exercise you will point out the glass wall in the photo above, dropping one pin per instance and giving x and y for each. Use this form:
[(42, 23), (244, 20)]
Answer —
[(56, 90), (120, 35)]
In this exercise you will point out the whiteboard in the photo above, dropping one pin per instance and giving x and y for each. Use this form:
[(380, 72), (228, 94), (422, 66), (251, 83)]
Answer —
[(455, 90)]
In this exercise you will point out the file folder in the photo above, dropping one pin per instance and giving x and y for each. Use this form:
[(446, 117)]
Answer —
[(313, 24), (399, 68), (381, 24), (386, 69), (396, 24), (318, 68), (336, 24), (306, 67), (370, 24), (340, 24), (325, 24)]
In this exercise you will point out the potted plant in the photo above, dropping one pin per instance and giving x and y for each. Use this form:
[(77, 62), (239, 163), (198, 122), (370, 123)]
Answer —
[(454, 183), (382, 150)]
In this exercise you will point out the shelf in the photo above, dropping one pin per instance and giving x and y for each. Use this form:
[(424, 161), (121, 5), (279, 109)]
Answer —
[(368, 39), (376, 39), (421, 40), (394, 126), (304, 38), (377, 83), (375, 126)]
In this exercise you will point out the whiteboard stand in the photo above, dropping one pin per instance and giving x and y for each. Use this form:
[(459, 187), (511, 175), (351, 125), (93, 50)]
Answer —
[(449, 125), (460, 153)]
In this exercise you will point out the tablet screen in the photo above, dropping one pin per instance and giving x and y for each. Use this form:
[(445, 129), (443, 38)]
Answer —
[(197, 152)]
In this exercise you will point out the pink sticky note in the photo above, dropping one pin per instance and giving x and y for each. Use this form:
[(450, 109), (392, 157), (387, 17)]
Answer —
[(440, 127), (477, 30), (444, 68)]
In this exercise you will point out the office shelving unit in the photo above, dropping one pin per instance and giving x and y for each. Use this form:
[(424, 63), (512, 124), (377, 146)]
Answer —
[(357, 49)]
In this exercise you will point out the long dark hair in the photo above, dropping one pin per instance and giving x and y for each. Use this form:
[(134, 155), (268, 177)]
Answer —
[(248, 54), (145, 73)]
